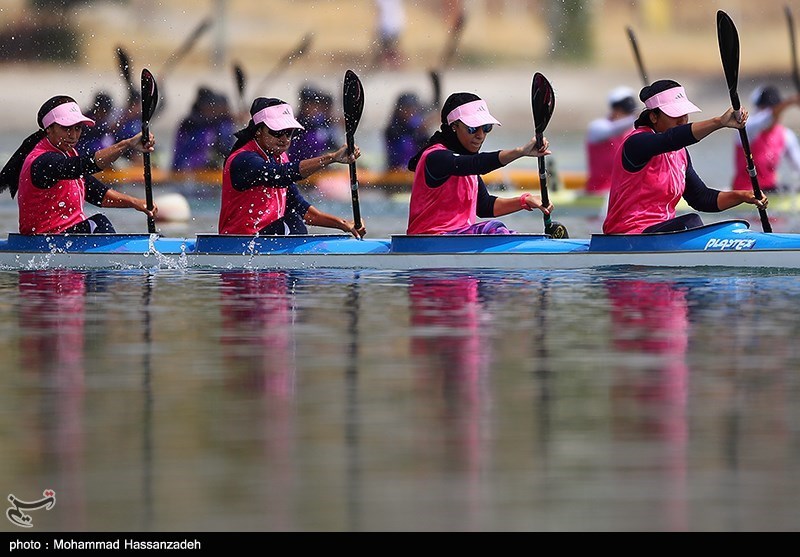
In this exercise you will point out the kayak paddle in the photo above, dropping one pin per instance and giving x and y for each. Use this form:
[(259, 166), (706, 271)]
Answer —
[(353, 99), (293, 54), (149, 102), (124, 63), (543, 102), (795, 70), (728, 39), (638, 56)]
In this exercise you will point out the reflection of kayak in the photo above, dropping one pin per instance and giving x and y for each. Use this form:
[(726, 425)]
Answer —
[(724, 244)]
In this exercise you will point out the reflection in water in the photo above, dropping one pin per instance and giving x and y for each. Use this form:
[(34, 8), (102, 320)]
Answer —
[(258, 349), (451, 357), (322, 400), (51, 328), (650, 320)]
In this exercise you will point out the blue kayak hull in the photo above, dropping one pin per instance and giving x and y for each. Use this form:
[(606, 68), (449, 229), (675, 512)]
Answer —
[(728, 244)]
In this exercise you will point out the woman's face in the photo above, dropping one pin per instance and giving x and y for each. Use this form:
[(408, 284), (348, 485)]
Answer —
[(64, 138), (662, 122), (472, 142), (274, 145)]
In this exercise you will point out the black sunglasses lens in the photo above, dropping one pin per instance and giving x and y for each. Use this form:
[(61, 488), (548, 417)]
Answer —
[(281, 133), (486, 129)]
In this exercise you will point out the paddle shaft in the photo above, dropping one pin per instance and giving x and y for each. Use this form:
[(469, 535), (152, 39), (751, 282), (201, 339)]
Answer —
[(354, 183), (148, 180), (792, 42), (543, 184), (638, 56), (751, 166)]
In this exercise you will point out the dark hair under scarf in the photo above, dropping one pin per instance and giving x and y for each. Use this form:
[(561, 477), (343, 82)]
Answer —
[(648, 91), (247, 133), (9, 176), (445, 134)]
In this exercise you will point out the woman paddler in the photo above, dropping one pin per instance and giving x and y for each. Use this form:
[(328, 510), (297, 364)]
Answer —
[(51, 180), (259, 193), (448, 193)]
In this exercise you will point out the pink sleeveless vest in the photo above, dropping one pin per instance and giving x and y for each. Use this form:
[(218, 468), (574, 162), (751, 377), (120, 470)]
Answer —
[(641, 199), (451, 206), (51, 210), (247, 212), (767, 150)]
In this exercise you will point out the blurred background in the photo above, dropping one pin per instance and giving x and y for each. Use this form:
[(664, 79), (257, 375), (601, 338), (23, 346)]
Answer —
[(492, 48)]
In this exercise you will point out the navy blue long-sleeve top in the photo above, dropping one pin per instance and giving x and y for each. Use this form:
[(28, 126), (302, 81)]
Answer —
[(249, 170), (443, 163), (639, 148), (51, 167)]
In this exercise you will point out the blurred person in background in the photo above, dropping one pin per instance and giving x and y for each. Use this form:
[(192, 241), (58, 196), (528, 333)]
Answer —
[(204, 136), (52, 180), (318, 135), (770, 141), (406, 132), (259, 191), (391, 22), (129, 123), (604, 136), (101, 134)]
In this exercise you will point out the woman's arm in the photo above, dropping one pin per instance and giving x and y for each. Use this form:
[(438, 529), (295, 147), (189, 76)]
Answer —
[(250, 170), (310, 166), (105, 157), (639, 148)]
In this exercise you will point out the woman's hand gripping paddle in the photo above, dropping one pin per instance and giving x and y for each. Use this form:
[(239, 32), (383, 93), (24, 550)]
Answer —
[(149, 102), (543, 102), (353, 99), (728, 39)]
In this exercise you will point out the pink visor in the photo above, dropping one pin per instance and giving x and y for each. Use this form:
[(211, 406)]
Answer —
[(67, 114), (473, 114), (277, 117), (672, 102)]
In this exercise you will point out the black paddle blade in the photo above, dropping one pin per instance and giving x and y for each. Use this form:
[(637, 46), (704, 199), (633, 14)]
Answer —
[(238, 75), (149, 96), (124, 64), (728, 39), (637, 55), (437, 88), (543, 102), (353, 98), (793, 43)]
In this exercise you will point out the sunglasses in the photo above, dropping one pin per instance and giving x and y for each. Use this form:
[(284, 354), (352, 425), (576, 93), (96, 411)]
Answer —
[(282, 133), (486, 128)]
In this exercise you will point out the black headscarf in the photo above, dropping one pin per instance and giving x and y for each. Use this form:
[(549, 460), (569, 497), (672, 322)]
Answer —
[(9, 176), (248, 133), (445, 134)]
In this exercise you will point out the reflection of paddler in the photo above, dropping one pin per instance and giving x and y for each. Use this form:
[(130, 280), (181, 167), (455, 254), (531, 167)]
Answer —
[(650, 323), (452, 357), (256, 323), (51, 330)]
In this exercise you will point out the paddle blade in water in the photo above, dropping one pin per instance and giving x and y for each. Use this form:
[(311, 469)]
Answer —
[(353, 99), (728, 39), (543, 102)]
